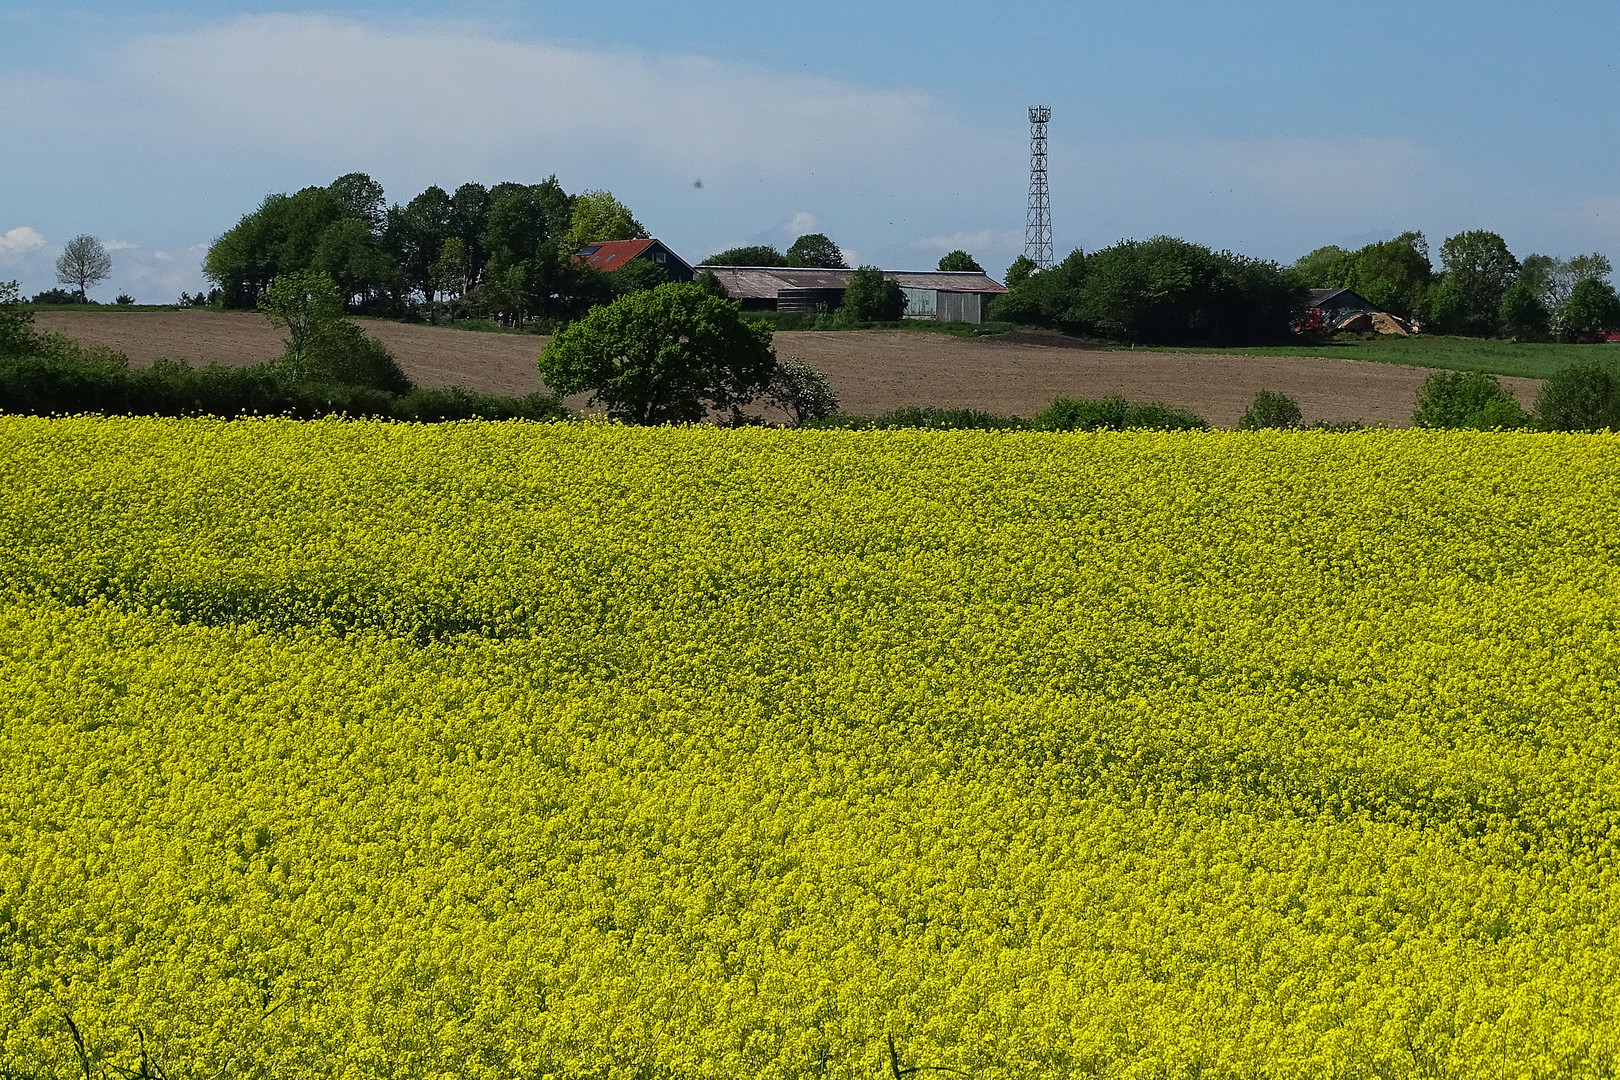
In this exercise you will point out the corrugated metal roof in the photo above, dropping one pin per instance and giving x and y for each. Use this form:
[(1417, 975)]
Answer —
[(763, 282), (612, 254)]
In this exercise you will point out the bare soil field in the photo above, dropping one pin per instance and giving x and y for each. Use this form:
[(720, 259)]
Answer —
[(871, 370)]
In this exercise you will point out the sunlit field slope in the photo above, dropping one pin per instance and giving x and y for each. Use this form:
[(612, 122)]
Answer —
[(372, 750)]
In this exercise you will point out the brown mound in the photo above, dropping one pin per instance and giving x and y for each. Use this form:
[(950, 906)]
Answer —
[(1385, 323)]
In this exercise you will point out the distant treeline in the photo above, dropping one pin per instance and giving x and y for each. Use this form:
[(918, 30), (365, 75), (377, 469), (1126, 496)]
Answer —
[(504, 252), (1171, 292), (1481, 289)]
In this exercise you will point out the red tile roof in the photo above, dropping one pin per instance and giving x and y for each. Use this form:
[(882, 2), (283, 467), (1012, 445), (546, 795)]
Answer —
[(612, 254)]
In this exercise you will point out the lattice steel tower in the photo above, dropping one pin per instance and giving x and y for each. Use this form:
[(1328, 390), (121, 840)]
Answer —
[(1038, 230)]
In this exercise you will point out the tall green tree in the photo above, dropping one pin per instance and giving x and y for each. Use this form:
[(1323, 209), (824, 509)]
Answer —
[(361, 198), (668, 355), (597, 216), (280, 237), (816, 250), (417, 234), (469, 217), (1478, 270), (355, 260)]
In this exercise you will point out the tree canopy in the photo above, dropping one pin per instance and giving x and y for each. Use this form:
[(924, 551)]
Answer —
[(816, 250), (959, 260), (1478, 270), (503, 252), (1592, 308), (597, 216), (666, 355), (1160, 291), (752, 255)]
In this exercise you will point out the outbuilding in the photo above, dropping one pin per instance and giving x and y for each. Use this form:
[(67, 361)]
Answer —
[(940, 295), (1336, 305)]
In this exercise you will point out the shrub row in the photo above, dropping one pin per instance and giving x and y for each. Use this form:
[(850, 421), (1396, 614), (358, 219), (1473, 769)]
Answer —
[(63, 377), (1580, 397), (1064, 414)]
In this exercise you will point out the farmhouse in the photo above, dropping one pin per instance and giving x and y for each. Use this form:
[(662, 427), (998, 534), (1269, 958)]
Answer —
[(941, 295), (612, 254)]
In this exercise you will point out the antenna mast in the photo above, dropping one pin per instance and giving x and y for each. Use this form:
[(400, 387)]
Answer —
[(1038, 230)]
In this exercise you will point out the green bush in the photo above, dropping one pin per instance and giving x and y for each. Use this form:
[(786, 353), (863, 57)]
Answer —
[(341, 353), (870, 297), (1581, 397), (1270, 409), (1114, 414), (1467, 399)]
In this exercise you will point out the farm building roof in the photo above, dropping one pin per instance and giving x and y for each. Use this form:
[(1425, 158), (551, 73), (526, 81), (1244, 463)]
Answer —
[(612, 254), (764, 282), (1344, 298)]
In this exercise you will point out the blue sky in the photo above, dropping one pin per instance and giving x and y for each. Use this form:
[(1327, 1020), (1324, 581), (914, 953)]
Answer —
[(896, 128)]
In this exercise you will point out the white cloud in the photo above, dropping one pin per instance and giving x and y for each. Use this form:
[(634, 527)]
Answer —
[(269, 82), (20, 241), (120, 245), (973, 240), (802, 222), (850, 256)]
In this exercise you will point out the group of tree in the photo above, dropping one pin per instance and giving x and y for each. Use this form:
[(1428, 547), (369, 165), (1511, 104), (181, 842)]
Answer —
[(1158, 291), (506, 252), (1480, 288)]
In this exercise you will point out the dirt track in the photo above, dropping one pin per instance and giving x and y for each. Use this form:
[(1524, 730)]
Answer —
[(870, 370)]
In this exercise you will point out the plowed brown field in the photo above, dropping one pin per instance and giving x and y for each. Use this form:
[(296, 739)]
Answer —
[(871, 370)]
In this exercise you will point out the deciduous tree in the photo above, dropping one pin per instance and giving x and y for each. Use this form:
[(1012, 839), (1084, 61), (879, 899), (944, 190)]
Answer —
[(597, 216), (83, 263), (667, 355), (959, 260), (871, 297), (816, 250), (1479, 269)]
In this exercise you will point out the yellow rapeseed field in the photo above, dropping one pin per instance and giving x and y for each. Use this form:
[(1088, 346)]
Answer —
[(362, 750)]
